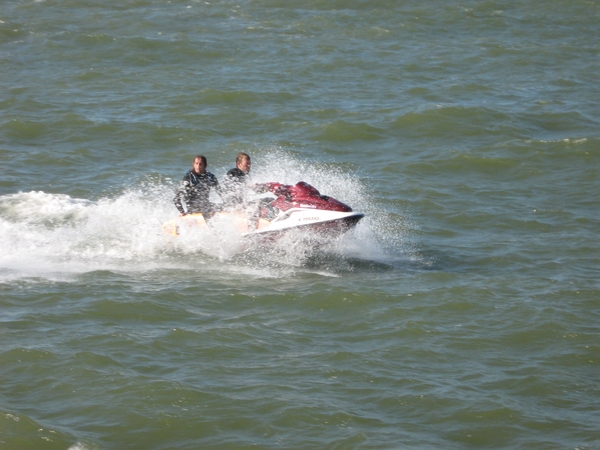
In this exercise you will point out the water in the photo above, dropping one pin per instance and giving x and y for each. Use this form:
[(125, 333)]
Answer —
[(462, 312)]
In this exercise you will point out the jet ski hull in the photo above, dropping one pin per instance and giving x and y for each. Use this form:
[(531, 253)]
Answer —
[(299, 207), (310, 222)]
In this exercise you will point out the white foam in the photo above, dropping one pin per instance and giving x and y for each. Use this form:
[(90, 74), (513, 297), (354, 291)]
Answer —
[(54, 235)]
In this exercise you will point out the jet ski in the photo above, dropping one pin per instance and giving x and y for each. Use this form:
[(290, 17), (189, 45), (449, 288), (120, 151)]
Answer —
[(286, 207)]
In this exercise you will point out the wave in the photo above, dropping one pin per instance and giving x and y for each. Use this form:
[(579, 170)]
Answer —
[(56, 236), (21, 431)]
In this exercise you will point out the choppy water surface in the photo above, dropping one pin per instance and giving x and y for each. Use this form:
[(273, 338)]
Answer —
[(462, 312)]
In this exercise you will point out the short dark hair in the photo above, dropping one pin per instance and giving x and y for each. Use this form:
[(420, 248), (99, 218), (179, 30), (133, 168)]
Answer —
[(202, 157)]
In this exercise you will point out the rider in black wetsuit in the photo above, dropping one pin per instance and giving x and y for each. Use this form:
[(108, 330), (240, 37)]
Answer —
[(192, 195), (236, 187), (236, 182)]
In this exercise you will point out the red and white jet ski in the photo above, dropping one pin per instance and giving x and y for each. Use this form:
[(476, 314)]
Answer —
[(297, 207)]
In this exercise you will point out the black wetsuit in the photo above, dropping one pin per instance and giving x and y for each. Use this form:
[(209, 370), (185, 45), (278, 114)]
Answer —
[(238, 174), (234, 187), (193, 193)]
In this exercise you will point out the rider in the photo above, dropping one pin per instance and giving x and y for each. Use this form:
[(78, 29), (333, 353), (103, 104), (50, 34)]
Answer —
[(236, 181), (192, 195), (237, 185)]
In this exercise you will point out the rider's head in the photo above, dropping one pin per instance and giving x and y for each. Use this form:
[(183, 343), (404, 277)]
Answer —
[(242, 161), (199, 164)]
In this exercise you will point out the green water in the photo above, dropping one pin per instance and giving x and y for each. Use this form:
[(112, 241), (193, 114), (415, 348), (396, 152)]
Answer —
[(462, 311)]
